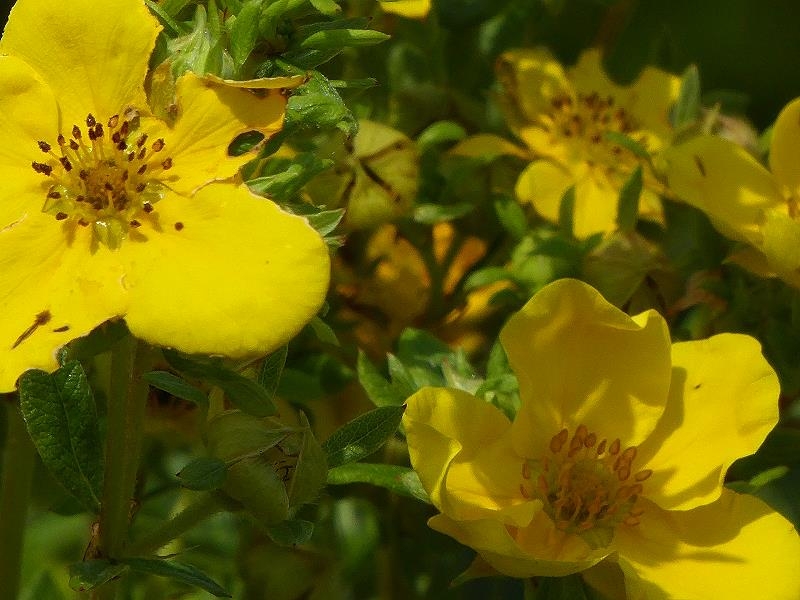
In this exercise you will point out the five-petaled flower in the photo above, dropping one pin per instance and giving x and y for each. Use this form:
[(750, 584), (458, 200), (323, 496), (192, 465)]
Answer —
[(564, 117), (744, 200), (107, 211), (614, 463)]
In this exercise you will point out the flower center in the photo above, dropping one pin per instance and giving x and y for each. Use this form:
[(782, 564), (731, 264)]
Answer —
[(587, 487), (586, 121), (104, 177)]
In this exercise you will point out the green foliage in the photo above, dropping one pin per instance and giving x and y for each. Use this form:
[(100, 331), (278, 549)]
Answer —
[(362, 436)]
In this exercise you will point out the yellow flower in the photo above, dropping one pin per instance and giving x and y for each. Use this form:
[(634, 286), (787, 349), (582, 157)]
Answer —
[(616, 457), (413, 9), (743, 199), (107, 211), (562, 116)]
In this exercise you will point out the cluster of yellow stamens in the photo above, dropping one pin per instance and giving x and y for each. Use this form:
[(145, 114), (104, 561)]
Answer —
[(587, 119), (585, 483), (105, 177)]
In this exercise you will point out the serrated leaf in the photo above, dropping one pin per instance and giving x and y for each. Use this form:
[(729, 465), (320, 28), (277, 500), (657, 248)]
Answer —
[(317, 104), (271, 370), (178, 571), (61, 417), (400, 480), (310, 471), (340, 38), (285, 178), (178, 387), (206, 473), (628, 206), (363, 435), (325, 221), (291, 532), (378, 389), (326, 7), (89, 574), (245, 393), (687, 107), (402, 381), (243, 32)]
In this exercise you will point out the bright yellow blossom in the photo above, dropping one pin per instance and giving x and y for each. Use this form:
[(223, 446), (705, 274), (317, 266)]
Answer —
[(563, 117), (412, 9), (106, 211), (615, 461), (743, 199)]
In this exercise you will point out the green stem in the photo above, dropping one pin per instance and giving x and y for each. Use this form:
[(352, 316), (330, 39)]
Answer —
[(125, 419), (204, 507), (18, 464)]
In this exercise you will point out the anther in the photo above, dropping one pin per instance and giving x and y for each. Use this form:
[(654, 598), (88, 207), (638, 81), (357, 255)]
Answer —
[(142, 153), (65, 163), (98, 130), (90, 121), (614, 448), (590, 440), (54, 195), (76, 132), (557, 442), (135, 223), (122, 146), (61, 216), (42, 168), (84, 174), (108, 186), (61, 140), (131, 156), (166, 164), (141, 169), (141, 141), (125, 128), (601, 447), (113, 121), (73, 145), (44, 146), (643, 475), (140, 187), (158, 145), (147, 207), (178, 226)]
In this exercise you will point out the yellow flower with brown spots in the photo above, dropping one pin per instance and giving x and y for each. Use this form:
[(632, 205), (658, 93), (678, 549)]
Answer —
[(614, 464), (107, 211), (746, 201), (563, 116)]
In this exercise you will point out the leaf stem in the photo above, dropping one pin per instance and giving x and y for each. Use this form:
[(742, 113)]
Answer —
[(18, 464), (199, 510), (125, 418)]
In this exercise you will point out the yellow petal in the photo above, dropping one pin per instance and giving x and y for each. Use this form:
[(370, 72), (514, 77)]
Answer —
[(210, 116), (226, 273), (543, 184), (588, 75), (736, 547), (756, 262), (51, 292), (725, 182), (606, 577), (781, 242), (550, 553), (28, 113), (440, 423), (784, 154), (488, 147), (262, 83), (580, 360), (93, 57), (413, 9), (723, 401), (531, 79), (595, 209)]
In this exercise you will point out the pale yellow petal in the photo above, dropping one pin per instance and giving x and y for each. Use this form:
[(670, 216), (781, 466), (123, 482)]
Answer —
[(225, 272), (210, 115), (723, 401), (736, 547), (725, 182), (595, 209), (412, 9), (55, 287), (784, 154), (487, 146), (543, 184), (580, 360), (532, 78), (781, 242), (93, 57), (28, 114)]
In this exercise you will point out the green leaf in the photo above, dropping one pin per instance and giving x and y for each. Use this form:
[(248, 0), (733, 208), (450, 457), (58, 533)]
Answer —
[(402, 380), (285, 178), (316, 104), (326, 7), (43, 587), (164, 16), (243, 31), (61, 416), (291, 532), (441, 132), (340, 38), (363, 435), (484, 277), (206, 473), (615, 137), (511, 216), (245, 393), (89, 574), (628, 207), (323, 331), (400, 480), (430, 214), (178, 387), (325, 221), (566, 210), (378, 389), (178, 571), (687, 107), (271, 370)]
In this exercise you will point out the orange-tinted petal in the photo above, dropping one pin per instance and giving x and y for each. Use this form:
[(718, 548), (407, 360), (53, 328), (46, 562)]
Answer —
[(93, 57), (580, 360), (723, 401), (51, 292), (225, 272), (736, 547)]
